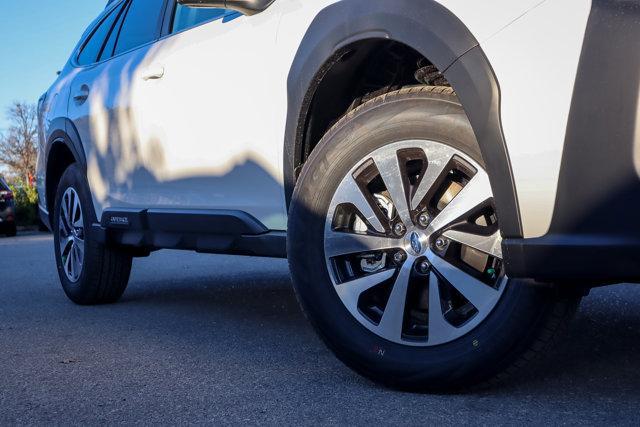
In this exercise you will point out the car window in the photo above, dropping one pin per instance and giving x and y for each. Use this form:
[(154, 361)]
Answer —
[(110, 45), (3, 185), (93, 46), (187, 17), (141, 25)]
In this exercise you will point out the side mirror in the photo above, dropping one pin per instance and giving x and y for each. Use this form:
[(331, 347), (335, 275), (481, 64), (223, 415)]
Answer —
[(247, 7)]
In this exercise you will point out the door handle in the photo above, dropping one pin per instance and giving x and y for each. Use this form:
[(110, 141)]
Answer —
[(153, 73), (82, 96)]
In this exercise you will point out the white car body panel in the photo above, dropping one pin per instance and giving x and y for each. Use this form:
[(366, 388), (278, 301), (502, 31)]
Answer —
[(105, 119), (486, 18), (535, 130), (55, 105)]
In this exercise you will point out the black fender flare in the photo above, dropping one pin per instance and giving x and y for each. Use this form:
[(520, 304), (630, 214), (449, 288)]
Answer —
[(436, 33), (62, 131)]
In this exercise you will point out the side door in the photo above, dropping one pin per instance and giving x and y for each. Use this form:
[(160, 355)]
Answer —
[(100, 107), (205, 115)]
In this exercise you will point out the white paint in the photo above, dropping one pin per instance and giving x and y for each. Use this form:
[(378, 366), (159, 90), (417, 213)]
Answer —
[(487, 17), (536, 61)]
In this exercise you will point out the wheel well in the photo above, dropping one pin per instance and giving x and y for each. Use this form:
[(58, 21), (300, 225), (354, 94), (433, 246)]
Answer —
[(60, 158), (352, 76)]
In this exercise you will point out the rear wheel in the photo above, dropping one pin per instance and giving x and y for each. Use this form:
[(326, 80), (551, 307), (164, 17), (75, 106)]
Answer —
[(395, 250), (90, 272)]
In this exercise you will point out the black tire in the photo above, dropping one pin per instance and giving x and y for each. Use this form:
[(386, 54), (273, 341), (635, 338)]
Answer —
[(12, 230), (105, 271), (523, 324)]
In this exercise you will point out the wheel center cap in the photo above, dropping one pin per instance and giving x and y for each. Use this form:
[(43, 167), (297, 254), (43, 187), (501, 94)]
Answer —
[(416, 243)]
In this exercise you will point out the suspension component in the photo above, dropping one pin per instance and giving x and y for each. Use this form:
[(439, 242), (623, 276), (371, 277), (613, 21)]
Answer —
[(372, 263)]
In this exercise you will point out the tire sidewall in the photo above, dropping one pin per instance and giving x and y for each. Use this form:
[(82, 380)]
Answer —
[(472, 356)]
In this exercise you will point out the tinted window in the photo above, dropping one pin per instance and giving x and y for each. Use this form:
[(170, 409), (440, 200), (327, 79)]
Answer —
[(140, 25), (187, 17), (107, 50), (93, 46)]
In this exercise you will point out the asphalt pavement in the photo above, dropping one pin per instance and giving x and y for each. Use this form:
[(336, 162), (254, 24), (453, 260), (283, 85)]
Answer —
[(217, 339)]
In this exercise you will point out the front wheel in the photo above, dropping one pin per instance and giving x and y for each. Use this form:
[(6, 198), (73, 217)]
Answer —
[(395, 250), (90, 272)]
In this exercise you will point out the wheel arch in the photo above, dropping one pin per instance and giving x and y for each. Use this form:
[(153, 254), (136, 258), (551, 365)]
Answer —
[(63, 149), (438, 35)]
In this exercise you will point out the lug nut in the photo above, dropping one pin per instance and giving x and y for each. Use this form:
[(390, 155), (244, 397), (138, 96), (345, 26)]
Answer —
[(442, 243), (424, 220), (424, 267), (399, 229), (398, 257)]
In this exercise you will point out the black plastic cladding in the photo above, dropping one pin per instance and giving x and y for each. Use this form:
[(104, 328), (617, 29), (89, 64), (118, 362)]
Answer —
[(61, 131), (443, 39), (210, 231)]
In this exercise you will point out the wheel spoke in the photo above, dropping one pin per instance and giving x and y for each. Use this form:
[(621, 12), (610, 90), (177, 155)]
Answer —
[(350, 292), (69, 211), (491, 245), (481, 295), (64, 217), (63, 229), (476, 192), (79, 250), (440, 330), (393, 316), (65, 243), (69, 262), (72, 255), (437, 161), (389, 168), (77, 264), (342, 243), (349, 192), (77, 214)]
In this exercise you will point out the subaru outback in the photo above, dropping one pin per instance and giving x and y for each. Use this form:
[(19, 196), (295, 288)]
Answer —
[(447, 178)]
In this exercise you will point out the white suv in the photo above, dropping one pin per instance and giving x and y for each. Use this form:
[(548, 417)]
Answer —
[(446, 177)]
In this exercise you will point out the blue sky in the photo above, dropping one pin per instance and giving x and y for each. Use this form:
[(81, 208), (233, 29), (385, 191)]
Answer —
[(36, 38)]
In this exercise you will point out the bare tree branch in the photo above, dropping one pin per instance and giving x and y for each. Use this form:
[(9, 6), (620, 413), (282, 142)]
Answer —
[(18, 145)]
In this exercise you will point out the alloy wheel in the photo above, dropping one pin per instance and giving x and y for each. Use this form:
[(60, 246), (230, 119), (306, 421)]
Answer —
[(71, 235), (412, 243)]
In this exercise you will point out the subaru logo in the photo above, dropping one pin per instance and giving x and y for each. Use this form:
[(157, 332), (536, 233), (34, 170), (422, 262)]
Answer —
[(416, 245)]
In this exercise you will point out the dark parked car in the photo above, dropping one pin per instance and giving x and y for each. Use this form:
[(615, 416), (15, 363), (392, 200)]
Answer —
[(7, 210)]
